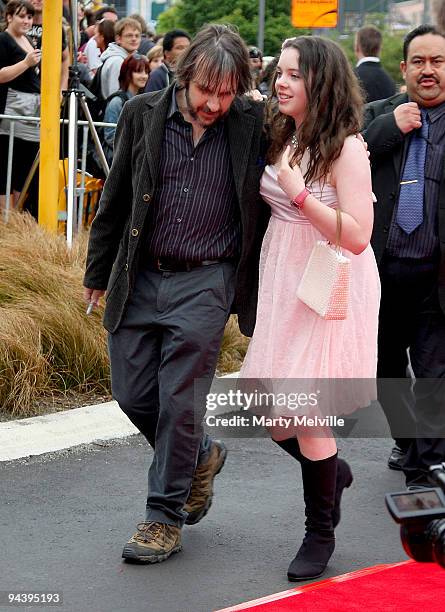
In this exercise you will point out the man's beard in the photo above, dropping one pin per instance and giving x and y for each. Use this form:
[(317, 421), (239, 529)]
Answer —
[(191, 111), (194, 115)]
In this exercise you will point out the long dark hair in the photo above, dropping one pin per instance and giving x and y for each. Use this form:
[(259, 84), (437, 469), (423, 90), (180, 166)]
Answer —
[(334, 106), (105, 28)]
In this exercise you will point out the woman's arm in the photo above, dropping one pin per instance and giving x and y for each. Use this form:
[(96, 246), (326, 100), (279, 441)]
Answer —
[(351, 176), (9, 73)]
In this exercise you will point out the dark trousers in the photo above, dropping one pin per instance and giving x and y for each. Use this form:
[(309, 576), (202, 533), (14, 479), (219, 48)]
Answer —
[(411, 319), (171, 335)]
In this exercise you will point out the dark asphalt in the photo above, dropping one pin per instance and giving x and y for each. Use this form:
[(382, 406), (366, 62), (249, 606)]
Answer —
[(65, 518)]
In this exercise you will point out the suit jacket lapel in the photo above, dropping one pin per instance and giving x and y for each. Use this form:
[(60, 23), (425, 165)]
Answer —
[(154, 126), (240, 128), (400, 153)]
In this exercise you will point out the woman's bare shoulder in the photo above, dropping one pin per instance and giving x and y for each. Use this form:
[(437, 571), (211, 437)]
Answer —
[(353, 156)]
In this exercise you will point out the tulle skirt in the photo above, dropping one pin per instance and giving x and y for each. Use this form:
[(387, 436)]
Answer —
[(291, 341)]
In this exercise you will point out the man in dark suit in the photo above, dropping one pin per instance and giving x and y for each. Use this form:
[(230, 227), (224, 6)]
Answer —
[(375, 80), (176, 244), (406, 140), (174, 43)]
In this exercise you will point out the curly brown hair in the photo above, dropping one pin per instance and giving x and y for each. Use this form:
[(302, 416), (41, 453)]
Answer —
[(334, 107)]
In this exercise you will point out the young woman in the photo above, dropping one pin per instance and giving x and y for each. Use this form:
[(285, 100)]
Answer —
[(19, 94), (132, 80), (98, 43), (316, 164), (105, 34)]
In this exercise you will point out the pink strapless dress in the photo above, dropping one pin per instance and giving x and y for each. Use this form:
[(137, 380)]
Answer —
[(290, 340)]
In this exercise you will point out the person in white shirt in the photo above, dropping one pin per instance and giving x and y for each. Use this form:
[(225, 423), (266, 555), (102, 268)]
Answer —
[(98, 44), (127, 39), (375, 81)]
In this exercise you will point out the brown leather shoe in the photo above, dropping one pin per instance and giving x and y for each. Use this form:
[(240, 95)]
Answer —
[(152, 543), (201, 493)]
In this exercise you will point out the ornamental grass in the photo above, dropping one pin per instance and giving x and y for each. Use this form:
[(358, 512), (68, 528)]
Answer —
[(48, 346)]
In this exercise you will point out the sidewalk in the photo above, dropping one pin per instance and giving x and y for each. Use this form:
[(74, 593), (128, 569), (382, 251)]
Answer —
[(53, 432)]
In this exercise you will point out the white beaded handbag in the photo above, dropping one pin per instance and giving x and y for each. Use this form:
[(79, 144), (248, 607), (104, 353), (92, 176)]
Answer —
[(324, 286)]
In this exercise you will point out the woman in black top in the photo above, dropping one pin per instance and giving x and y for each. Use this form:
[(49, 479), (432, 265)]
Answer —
[(19, 94)]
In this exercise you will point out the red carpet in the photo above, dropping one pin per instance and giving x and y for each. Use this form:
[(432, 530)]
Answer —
[(400, 587)]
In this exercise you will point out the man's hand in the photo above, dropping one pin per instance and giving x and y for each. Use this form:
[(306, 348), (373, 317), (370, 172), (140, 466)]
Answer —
[(92, 297), (408, 117), (82, 58), (256, 95), (364, 143)]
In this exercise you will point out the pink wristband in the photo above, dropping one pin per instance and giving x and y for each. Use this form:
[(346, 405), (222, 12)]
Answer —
[(299, 199)]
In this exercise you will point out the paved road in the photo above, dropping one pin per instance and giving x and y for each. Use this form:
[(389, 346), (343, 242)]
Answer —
[(65, 517)]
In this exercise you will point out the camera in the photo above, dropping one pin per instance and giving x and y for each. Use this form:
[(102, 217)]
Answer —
[(421, 515)]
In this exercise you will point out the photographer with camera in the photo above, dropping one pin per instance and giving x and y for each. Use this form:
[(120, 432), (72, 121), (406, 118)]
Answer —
[(421, 515)]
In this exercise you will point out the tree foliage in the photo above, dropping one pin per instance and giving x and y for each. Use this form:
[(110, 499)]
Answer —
[(168, 20), (392, 54), (191, 15)]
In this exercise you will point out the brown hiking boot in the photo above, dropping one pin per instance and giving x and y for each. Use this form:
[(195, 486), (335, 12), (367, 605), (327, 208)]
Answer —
[(152, 543), (201, 492)]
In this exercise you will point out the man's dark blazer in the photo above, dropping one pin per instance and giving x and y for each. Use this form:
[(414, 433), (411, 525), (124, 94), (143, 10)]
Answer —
[(119, 230), (375, 81), (387, 146)]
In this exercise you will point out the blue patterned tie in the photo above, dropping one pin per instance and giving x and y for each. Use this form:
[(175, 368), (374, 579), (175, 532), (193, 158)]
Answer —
[(410, 211)]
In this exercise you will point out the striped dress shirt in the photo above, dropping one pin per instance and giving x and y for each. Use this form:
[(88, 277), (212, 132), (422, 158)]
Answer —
[(194, 214)]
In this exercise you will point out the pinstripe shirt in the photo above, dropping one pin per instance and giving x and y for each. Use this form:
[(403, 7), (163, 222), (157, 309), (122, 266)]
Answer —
[(194, 214), (424, 241)]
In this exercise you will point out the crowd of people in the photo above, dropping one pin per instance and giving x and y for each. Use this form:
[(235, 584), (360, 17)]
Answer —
[(225, 174), (104, 43)]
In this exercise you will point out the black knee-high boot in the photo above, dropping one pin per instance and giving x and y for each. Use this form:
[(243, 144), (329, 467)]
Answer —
[(319, 483), (344, 474)]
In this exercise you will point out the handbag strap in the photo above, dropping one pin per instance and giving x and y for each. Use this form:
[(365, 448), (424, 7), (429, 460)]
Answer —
[(338, 232)]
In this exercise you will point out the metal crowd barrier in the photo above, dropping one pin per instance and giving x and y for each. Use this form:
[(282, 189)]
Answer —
[(84, 212)]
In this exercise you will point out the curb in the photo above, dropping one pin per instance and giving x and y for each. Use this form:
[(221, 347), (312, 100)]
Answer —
[(54, 432)]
